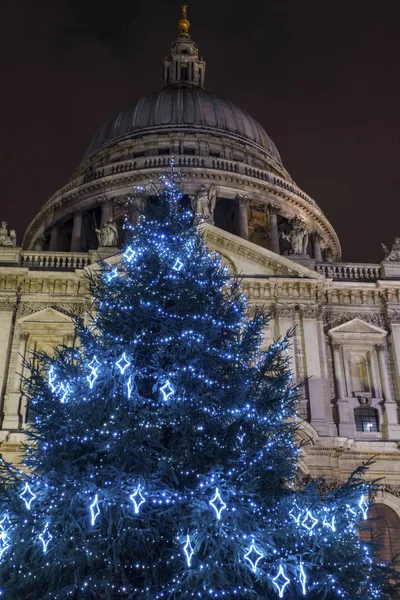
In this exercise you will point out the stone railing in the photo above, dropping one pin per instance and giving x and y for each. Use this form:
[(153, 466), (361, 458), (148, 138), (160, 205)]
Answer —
[(54, 261), (350, 271)]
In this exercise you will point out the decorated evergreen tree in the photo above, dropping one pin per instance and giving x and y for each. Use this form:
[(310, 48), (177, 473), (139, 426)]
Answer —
[(162, 457)]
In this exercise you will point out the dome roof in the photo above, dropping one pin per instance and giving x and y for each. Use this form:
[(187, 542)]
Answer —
[(179, 109)]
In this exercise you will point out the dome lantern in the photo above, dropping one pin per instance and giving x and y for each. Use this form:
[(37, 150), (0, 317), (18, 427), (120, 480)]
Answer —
[(183, 66)]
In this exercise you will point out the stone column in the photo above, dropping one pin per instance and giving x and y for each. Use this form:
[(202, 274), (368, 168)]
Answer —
[(339, 373), (317, 255), (54, 238), (273, 230), (320, 419), (14, 412), (390, 426), (106, 212), (243, 226), (76, 232)]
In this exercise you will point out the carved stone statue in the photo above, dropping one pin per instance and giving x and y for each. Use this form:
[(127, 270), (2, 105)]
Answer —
[(107, 236), (203, 204), (298, 237), (394, 253), (7, 239)]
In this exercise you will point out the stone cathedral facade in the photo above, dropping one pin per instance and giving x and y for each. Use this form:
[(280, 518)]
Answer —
[(347, 315)]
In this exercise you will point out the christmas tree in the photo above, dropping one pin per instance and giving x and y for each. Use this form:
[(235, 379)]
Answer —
[(162, 457)]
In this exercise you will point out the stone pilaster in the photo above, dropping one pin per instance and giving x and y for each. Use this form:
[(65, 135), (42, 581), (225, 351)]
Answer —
[(273, 230), (76, 232)]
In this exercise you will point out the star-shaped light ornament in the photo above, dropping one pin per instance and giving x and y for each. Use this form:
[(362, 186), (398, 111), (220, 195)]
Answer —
[(129, 254), (123, 363), (363, 504), (137, 499), (94, 509), (188, 550), (5, 524), (4, 545), (112, 274), (178, 265), (167, 390), (94, 367), (52, 379), (253, 555), (281, 581), (309, 522), (218, 504), (45, 537), (295, 513), (94, 364), (303, 579), (329, 522), (27, 496), (63, 391)]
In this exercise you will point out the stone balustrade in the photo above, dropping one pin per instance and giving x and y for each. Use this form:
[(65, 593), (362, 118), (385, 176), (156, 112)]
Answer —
[(350, 271), (54, 261)]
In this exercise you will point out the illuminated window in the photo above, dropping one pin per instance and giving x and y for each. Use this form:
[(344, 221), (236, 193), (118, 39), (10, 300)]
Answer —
[(366, 419)]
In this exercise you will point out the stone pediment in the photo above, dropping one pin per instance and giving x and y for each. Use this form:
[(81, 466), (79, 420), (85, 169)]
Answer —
[(46, 316), (357, 329), (242, 256)]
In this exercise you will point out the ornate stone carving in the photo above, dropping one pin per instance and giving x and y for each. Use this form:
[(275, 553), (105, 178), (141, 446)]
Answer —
[(107, 236), (28, 308), (7, 304), (394, 253), (203, 204), (298, 237), (334, 319), (284, 311), (310, 311), (7, 239)]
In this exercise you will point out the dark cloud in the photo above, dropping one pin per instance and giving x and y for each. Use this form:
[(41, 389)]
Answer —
[(322, 78)]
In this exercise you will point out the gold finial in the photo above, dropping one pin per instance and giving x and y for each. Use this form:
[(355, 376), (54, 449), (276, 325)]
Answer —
[(184, 24)]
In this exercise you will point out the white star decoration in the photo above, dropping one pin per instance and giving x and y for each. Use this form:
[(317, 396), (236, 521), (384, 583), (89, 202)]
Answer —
[(137, 499), (188, 551), (363, 504), (221, 504), (45, 537), (253, 555), (309, 522), (178, 265), (281, 581), (129, 254), (123, 363), (3, 543), (94, 509), (167, 390), (27, 496)]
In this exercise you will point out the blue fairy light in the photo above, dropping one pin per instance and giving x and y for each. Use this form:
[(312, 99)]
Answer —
[(280, 581), (188, 549), (27, 496), (123, 363), (45, 537), (167, 390), (253, 556), (94, 509), (218, 504), (137, 499)]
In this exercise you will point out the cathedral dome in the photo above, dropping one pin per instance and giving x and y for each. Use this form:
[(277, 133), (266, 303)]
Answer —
[(180, 108)]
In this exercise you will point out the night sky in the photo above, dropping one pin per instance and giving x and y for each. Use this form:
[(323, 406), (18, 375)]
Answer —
[(323, 78)]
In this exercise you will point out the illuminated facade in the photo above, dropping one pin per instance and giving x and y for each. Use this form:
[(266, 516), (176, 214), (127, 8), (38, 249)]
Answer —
[(347, 315)]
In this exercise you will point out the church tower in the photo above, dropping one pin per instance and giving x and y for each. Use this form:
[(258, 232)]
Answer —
[(183, 65)]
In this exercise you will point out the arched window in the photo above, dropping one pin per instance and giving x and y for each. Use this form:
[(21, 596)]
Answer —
[(384, 530), (366, 418)]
